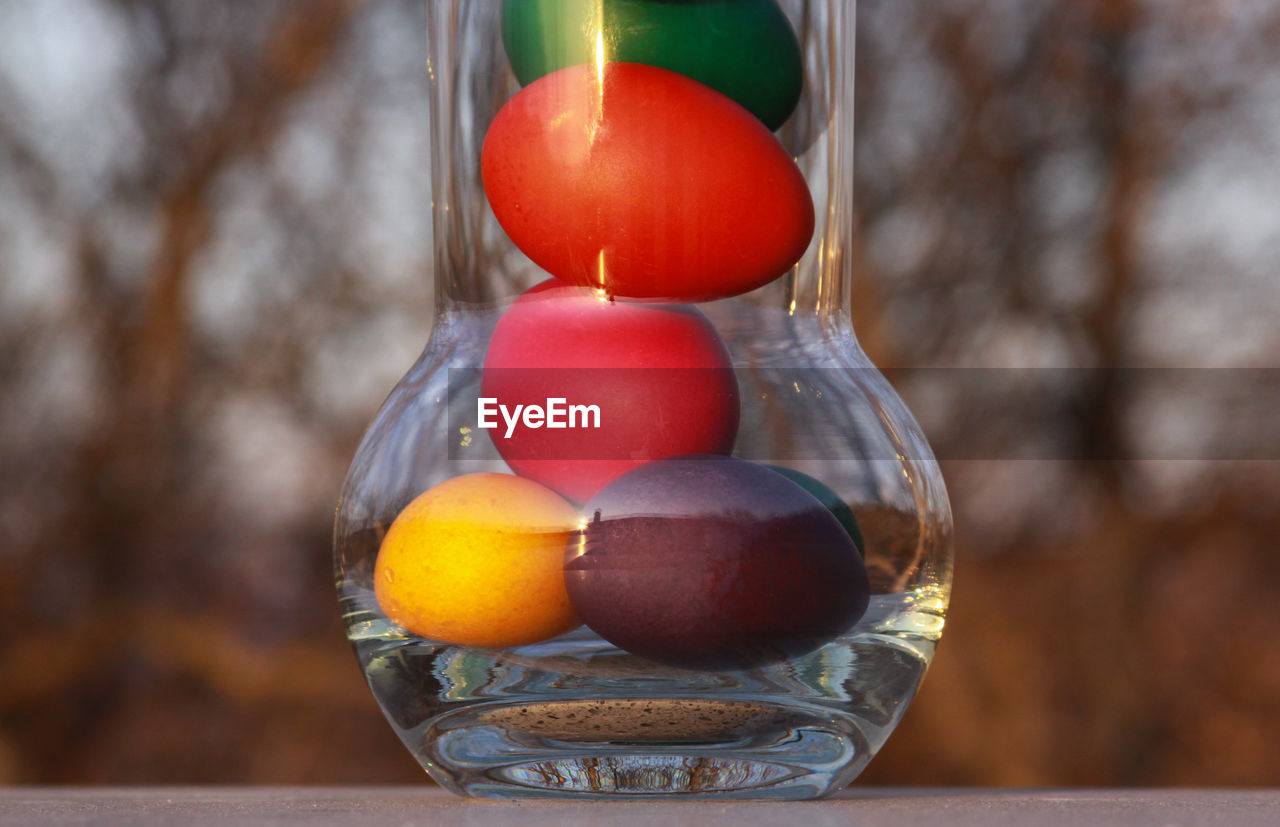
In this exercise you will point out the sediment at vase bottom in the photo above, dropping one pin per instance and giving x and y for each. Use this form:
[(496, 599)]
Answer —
[(643, 747)]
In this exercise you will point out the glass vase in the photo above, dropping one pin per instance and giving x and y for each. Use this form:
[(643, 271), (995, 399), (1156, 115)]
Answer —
[(716, 559)]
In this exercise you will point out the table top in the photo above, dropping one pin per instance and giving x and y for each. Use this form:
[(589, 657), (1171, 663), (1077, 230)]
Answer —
[(426, 805)]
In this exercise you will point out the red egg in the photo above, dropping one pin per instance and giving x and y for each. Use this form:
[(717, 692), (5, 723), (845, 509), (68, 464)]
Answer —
[(648, 185), (659, 376)]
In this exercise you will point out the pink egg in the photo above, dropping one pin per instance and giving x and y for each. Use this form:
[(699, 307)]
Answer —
[(659, 376)]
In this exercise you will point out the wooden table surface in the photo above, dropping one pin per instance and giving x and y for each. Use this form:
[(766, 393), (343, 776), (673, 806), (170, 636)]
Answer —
[(403, 806)]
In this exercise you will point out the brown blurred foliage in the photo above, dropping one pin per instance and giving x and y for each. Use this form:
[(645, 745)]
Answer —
[(214, 261)]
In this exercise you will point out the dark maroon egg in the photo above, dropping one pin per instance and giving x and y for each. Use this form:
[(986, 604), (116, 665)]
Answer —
[(710, 562)]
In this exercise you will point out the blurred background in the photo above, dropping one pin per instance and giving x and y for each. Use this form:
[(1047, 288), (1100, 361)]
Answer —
[(215, 262)]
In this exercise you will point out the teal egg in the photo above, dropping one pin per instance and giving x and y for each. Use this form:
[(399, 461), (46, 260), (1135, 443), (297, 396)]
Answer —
[(745, 49), (833, 501)]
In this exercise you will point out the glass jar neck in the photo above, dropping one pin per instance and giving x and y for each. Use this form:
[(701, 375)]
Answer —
[(475, 267)]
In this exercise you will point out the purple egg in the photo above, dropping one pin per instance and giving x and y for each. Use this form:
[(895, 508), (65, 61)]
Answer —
[(710, 562)]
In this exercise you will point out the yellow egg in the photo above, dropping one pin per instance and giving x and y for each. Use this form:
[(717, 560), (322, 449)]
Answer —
[(479, 561)]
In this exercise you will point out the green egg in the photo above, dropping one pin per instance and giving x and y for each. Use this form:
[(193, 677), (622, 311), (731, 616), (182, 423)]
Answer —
[(834, 503), (745, 49)]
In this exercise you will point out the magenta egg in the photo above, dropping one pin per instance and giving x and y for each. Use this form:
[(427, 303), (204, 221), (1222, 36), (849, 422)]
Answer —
[(633, 382)]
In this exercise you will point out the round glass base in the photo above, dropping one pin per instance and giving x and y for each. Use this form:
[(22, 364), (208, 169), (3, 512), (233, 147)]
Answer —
[(577, 717), (685, 747)]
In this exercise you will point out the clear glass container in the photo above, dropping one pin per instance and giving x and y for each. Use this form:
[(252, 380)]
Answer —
[(624, 611)]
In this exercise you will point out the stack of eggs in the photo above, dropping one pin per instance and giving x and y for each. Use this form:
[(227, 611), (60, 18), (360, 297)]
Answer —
[(637, 166)]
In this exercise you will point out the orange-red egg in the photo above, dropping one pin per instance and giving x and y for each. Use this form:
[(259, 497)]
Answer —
[(646, 184)]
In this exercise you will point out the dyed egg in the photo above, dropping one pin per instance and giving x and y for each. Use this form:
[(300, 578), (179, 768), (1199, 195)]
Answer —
[(648, 186), (478, 561), (659, 377), (829, 498), (713, 563), (745, 49)]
